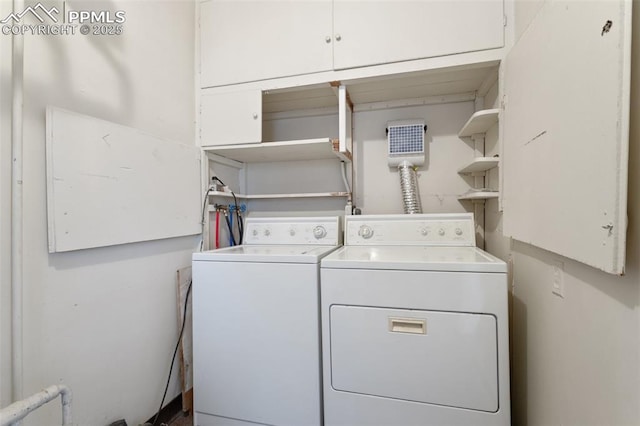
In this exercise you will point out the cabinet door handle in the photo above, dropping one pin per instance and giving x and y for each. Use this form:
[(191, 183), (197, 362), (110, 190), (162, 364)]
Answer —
[(407, 325), (338, 37), (327, 39)]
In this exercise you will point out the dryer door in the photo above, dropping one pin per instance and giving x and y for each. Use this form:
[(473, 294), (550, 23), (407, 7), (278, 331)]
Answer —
[(433, 357)]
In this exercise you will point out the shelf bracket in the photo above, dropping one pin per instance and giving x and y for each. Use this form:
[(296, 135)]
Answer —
[(342, 155), (478, 141)]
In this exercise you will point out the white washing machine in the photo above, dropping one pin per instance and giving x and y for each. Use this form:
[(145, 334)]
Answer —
[(256, 331), (414, 325)]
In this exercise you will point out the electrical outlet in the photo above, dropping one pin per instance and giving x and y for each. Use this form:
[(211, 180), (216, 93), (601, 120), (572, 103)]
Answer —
[(557, 283)]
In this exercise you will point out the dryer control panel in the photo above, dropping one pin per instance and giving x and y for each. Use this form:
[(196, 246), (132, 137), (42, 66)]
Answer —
[(454, 229), (324, 231)]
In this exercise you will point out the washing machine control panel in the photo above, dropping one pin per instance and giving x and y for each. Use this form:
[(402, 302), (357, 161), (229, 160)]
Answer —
[(295, 230), (455, 229)]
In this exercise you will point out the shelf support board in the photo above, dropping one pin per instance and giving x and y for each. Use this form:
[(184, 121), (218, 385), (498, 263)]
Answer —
[(335, 85)]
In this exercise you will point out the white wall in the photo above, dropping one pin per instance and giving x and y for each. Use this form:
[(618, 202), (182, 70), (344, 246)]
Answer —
[(576, 360), (5, 209), (378, 185), (296, 177), (103, 321)]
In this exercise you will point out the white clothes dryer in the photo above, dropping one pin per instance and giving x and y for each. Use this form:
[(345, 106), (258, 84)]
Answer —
[(414, 325), (256, 331)]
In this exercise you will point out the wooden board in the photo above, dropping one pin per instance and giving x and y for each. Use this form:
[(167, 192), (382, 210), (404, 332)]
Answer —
[(186, 344), (307, 149), (479, 122), (480, 164), (479, 195), (109, 184), (566, 132)]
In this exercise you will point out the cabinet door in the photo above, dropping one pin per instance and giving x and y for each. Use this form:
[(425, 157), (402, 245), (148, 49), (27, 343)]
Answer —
[(375, 32), (566, 130), (253, 40), (231, 118)]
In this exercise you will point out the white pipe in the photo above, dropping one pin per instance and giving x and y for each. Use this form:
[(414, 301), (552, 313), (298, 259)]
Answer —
[(16, 209), (17, 411), (343, 168)]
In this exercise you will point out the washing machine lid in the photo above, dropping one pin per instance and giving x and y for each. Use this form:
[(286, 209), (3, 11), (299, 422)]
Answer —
[(266, 254), (414, 258)]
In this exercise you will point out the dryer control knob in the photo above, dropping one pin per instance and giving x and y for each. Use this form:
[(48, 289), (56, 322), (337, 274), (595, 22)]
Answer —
[(319, 232), (458, 231), (424, 232), (365, 232), (255, 233), (267, 232), (292, 232), (441, 232)]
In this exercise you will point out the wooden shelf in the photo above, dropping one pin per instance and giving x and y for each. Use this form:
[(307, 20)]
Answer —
[(479, 122), (479, 195), (296, 150), (279, 196), (480, 164)]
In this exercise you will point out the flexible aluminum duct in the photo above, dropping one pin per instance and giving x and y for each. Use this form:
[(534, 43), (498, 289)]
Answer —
[(409, 187)]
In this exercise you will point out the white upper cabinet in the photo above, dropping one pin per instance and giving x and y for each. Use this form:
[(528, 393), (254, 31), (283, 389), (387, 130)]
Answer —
[(245, 41), (231, 118), (251, 40), (566, 128), (376, 32)]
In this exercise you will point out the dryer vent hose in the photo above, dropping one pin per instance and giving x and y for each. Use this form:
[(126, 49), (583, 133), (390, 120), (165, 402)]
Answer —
[(409, 187)]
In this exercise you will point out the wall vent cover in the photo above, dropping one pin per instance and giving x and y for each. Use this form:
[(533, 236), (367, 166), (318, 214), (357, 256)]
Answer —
[(406, 142)]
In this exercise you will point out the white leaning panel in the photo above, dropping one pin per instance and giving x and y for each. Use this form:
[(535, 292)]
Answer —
[(109, 184), (566, 128)]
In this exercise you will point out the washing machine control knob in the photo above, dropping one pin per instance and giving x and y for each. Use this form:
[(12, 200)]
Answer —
[(292, 232), (458, 231), (319, 232), (365, 232), (255, 232), (441, 232), (267, 232), (424, 232)]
